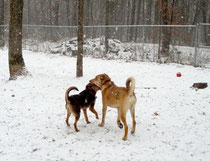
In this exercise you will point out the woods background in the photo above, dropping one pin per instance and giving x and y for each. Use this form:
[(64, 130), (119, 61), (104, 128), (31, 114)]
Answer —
[(116, 12), (123, 12)]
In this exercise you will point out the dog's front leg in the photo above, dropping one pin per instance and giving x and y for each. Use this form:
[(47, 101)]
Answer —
[(86, 117), (91, 108), (103, 116)]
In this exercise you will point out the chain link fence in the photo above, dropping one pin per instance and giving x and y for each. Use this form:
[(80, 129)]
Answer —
[(203, 44), (189, 44)]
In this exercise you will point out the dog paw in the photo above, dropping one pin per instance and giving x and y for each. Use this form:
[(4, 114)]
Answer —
[(124, 138), (132, 131), (101, 125), (120, 126), (77, 130), (88, 122), (97, 117)]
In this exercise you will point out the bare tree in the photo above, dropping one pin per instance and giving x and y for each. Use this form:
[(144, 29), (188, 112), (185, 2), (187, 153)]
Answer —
[(74, 12), (55, 12), (55, 18), (68, 12), (107, 23), (16, 61), (131, 36), (164, 55), (29, 11), (138, 18), (80, 39), (109, 8), (1, 23), (204, 13)]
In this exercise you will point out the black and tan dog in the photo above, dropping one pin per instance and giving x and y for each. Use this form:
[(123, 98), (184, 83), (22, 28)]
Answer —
[(122, 98), (83, 100)]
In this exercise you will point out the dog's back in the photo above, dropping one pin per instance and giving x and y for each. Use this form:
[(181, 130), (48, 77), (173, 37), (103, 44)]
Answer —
[(83, 99)]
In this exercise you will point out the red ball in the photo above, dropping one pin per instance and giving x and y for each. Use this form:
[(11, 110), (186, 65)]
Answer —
[(178, 74)]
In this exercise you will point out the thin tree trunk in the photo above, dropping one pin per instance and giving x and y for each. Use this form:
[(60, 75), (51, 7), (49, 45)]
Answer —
[(157, 12), (29, 11), (80, 39), (138, 18), (204, 12), (197, 12), (74, 17), (109, 9), (55, 19), (128, 18), (166, 34), (68, 12), (16, 62), (55, 12), (107, 29), (57, 4), (132, 20), (1, 23)]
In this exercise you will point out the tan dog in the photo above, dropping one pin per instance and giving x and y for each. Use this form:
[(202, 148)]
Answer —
[(122, 98)]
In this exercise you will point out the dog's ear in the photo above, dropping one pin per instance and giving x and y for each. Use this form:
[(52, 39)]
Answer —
[(105, 77), (90, 86), (102, 77)]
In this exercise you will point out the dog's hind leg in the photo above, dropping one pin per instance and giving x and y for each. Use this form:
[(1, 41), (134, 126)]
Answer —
[(86, 117), (75, 123), (120, 125), (67, 118), (123, 118), (91, 108), (132, 111)]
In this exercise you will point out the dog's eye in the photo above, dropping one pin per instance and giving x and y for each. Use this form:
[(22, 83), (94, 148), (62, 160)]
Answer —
[(102, 78)]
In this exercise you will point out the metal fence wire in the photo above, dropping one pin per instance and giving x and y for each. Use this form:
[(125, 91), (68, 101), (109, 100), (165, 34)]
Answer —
[(189, 44)]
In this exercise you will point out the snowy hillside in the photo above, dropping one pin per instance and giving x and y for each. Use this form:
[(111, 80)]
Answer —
[(173, 120)]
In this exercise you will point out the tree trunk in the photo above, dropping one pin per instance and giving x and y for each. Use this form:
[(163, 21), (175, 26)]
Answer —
[(1, 23), (138, 20), (164, 55), (68, 12), (109, 9), (75, 17), (16, 62), (80, 39), (204, 12), (107, 29), (55, 19), (55, 12), (132, 20), (29, 12)]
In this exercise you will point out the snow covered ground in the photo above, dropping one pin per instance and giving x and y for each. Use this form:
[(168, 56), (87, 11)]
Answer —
[(173, 120)]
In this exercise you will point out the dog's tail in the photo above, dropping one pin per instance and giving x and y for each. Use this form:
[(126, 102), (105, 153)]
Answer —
[(130, 85), (67, 92)]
